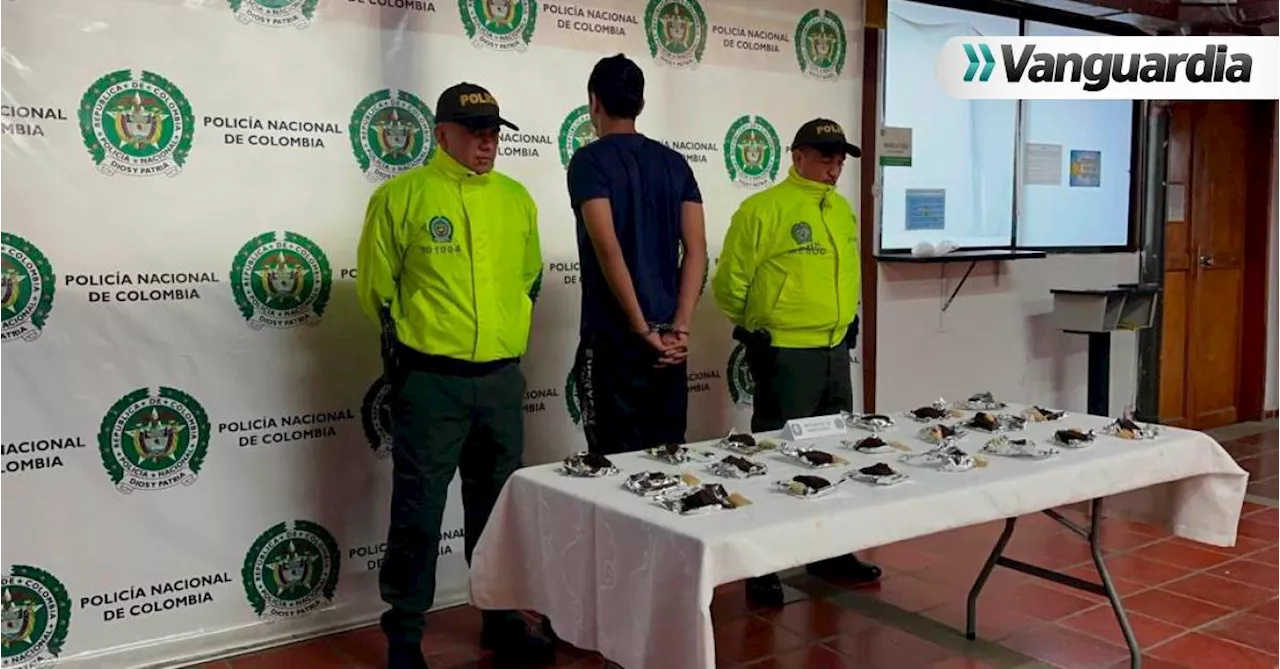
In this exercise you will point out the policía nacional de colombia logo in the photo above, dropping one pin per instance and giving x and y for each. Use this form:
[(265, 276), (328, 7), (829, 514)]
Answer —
[(742, 387), (28, 283), (391, 132), (575, 133), (291, 570), (752, 152), (36, 616), (677, 32), (503, 25), (151, 440), (281, 280), (801, 233), (821, 45), (139, 126), (275, 13), (375, 417)]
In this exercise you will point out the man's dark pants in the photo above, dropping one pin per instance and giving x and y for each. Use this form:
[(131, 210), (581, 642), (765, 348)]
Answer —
[(446, 415), (628, 404), (798, 383)]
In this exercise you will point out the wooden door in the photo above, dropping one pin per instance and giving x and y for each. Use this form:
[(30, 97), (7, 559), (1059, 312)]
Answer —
[(1214, 151)]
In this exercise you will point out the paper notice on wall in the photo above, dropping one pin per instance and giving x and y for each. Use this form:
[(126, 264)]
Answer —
[(926, 208), (1042, 164), (895, 147), (1086, 169)]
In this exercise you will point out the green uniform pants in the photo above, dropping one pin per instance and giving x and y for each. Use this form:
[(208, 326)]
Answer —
[(441, 423), (798, 383)]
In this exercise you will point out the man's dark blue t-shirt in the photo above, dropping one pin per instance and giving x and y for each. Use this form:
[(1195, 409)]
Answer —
[(646, 184)]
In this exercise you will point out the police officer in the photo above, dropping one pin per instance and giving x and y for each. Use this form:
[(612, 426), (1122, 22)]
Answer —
[(789, 279), (447, 262)]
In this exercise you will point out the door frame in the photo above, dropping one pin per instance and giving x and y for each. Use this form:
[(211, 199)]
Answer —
[(1252, 373)]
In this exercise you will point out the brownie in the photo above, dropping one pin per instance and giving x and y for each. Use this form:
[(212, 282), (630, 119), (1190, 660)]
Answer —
[(596, 461), (812, 482), (870, 443), (984, 421), (739, 462), (742, 439), (818, 457), (878, 469), (929, 412)]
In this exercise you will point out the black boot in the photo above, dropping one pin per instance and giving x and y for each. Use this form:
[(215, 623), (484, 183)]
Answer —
[(765, 591), (846, 568), (512, 642), (402, 655)]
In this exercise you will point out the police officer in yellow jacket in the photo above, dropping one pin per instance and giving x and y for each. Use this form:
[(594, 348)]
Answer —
[(789, 279), (448, 262)]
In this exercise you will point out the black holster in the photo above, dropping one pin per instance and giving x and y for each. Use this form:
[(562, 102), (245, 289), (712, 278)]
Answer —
[(392, 364)]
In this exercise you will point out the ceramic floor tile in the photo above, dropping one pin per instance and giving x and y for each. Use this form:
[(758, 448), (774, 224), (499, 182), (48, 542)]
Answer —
[(1133, 568), (316, 654), (1101, 623), (1202, 651), (913, 594), (1254, 529), (1266, 556), (961, 663), (1123, 586), (365, 647), (1181, 555), (1149, 662), (1254, 573), (1244, 544), (1224, 592), (752, 638), (995, 622), (884, 646), (1066, 648), (1267, 515), (813, 657), (1247, 630), (814, 618), (1044, 602), (1269, 610), (1174, 608)]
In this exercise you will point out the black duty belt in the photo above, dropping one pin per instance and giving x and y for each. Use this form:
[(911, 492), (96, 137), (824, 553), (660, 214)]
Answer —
[(438, 364)]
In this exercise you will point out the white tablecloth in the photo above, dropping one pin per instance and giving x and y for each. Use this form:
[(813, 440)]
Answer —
[(621, 575)]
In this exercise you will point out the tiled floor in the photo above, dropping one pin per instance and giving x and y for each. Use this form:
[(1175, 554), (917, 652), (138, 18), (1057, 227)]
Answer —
[(1192, 606)]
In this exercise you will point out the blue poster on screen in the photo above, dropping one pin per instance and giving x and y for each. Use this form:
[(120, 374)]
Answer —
[(1086, 169), (926, 208)]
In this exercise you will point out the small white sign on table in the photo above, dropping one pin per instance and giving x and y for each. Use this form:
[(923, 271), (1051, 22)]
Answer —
[(817, 427)]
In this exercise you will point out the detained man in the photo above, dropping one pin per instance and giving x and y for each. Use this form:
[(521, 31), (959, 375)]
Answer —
[(447, 260), (639, 212), (789, 279)]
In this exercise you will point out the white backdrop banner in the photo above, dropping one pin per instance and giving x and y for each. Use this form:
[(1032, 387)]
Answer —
[(194, 436)]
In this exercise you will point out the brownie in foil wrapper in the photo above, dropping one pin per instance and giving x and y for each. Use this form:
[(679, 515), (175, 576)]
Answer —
[(936, 411), (996, 422), (676, 454), (983, 401), (745, 444), (588, 464), (1127, 428), (872, 444), (1073, 438), (811, 457), (652, 483), (1038, 414), (872, 422), (945, 458), (878, 474), (738, 467), (806, 486), (941, 433), (1018, 448), (705, 498)]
